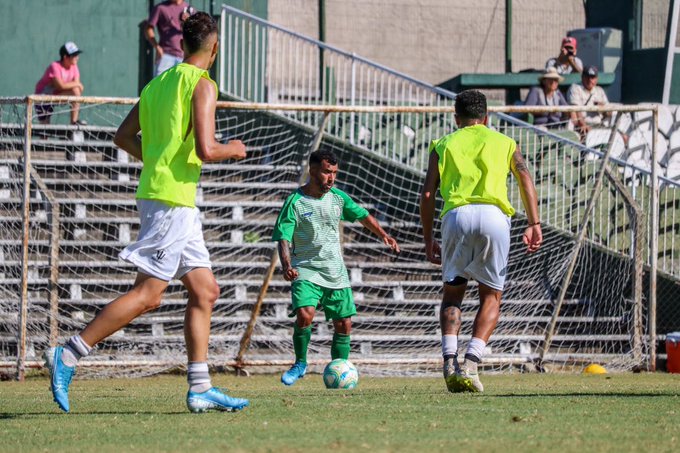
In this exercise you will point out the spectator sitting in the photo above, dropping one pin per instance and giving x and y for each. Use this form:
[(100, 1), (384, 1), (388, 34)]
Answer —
[(548, 94), (168, 17), (588, 93), (61, 78), (567, 62)]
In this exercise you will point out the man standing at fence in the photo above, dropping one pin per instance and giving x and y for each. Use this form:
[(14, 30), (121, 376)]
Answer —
[(470, 168), (176, 114), (168, 18), (310, 221)]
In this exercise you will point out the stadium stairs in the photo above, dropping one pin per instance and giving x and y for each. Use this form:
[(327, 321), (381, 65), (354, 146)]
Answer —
[(93, 184)]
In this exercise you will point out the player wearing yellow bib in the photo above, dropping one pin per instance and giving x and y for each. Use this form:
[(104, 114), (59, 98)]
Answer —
[(470, 167), (309, 221), (176, 115)]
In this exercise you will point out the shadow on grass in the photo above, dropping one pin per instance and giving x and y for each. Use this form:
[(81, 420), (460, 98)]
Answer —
[(572, 394), (18, 415)]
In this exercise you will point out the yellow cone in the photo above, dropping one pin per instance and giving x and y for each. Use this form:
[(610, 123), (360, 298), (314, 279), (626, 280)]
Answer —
[(594, 368)]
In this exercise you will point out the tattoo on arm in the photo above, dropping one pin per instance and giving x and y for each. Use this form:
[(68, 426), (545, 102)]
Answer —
[(520, 163)]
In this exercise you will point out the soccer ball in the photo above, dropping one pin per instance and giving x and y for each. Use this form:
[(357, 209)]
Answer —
[(340, 374)]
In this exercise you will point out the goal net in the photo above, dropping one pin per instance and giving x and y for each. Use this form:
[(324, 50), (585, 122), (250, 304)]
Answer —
[(82, 213)]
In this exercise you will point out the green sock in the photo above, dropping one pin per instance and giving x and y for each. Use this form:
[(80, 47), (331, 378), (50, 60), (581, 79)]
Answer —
[(301, 337), (340, 346)]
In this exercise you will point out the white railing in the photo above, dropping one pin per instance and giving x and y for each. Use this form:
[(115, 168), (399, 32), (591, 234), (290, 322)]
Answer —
[(263, 62)]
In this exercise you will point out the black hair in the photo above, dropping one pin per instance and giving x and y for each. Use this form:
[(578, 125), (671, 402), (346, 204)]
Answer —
[(318, 156), (196, 30), (471, 105)]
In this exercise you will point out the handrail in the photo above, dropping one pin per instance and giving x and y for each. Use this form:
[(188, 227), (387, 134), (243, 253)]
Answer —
[(325, 46)]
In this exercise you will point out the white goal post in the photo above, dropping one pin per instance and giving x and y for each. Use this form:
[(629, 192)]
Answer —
[(68, 208)]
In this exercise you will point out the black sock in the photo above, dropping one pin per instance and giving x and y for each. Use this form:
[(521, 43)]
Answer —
[(472, 358)]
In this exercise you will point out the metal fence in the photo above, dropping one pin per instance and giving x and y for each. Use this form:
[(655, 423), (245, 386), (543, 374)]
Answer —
[(263, 62)]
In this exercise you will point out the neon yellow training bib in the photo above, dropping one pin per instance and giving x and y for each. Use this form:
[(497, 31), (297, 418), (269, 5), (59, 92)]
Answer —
[(474, 163), (171, 168)]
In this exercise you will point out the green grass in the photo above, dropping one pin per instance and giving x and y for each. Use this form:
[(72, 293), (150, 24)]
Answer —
[(520, 412)]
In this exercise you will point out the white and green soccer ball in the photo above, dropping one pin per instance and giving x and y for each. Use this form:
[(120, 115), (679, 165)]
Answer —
[(340, 374)]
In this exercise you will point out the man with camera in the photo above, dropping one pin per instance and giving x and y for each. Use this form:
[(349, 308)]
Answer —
[(567, 62)]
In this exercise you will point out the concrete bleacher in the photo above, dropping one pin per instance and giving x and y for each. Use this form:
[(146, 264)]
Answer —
[(93, 184)]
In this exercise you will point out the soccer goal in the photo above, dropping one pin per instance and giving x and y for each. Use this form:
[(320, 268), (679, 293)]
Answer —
[(587, 296)]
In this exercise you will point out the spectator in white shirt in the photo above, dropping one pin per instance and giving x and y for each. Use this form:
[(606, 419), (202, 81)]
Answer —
[(588, 93)]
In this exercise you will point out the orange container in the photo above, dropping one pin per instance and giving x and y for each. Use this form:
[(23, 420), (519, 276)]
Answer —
[(673, 352)]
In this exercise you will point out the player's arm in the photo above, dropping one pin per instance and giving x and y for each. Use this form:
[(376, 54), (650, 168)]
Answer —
[(203, 105), (533, 236), (372, 224), (427, 207), (126, 137), (289, 272), (149, 33), (59, 85)]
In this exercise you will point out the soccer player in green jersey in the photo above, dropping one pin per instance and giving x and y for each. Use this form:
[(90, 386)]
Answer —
[(176, 115), (470, 167), (309, 221)]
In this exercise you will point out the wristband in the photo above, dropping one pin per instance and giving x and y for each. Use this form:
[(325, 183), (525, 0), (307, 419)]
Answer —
[(534, 224)]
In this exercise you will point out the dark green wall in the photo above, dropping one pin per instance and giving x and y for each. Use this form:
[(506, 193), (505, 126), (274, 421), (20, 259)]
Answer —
[(107, 31), (643, 75), (32, 31)]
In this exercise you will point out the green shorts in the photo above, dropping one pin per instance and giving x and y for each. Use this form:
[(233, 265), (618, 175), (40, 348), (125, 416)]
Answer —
[(336, 303)]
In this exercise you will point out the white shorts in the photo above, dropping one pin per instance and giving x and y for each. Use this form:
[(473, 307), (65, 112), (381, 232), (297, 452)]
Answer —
[(170, 241), (475, 244)]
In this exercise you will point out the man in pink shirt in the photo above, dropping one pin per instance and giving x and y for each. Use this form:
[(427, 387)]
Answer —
[(61, 78), (168, 17)]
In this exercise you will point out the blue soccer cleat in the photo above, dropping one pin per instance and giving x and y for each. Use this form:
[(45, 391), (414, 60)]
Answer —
[(297, 371), (214, 399), (60, 376)]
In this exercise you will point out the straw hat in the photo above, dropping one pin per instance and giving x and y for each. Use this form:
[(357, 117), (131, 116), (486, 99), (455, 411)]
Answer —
[(550, 73)]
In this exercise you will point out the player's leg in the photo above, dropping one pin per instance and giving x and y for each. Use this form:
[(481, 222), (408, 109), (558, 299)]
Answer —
[(484, 325), (339, 307), (61, 361), (341, 338), (44, 112), (75, 106), (456, 256), (489, 269), (304, 296), (450, 322), (144, 296), (203, 293)]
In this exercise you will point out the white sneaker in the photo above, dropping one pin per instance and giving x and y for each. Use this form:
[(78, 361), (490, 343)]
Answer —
[(466, 380)]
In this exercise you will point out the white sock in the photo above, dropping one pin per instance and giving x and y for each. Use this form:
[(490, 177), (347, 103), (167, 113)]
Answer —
[(449, 345), (198, 377), (475, 350), (74, 350)]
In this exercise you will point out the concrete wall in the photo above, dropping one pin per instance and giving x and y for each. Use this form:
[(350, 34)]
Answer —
[(434, 40), (654, 23)]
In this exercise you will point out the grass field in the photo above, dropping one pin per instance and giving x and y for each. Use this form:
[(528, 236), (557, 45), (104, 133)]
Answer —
[(520, 412)]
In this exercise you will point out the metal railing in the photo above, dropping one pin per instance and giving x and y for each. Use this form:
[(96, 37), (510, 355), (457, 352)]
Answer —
[(263, 62)]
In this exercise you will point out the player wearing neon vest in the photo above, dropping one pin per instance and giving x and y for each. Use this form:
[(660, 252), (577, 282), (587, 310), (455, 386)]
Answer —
[(470, 168), (176, 115)]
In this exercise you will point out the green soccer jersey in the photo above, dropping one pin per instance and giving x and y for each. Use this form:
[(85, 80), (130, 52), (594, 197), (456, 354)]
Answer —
[(311, 225)]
